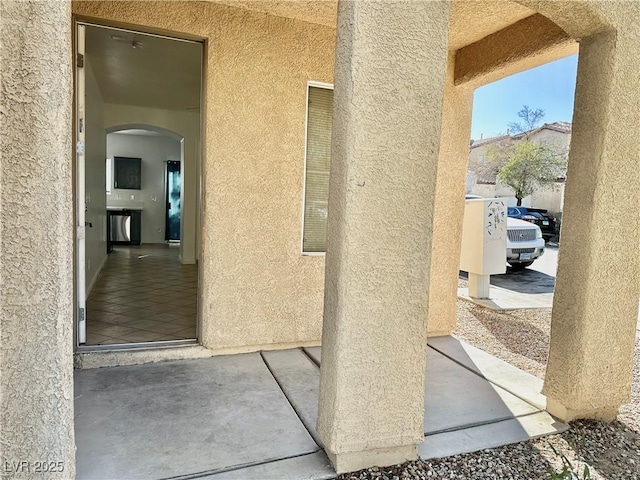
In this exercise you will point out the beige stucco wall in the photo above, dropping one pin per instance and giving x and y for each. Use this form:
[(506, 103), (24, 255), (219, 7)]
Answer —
[(528, 43), (590, 362), (387, 127), (36, 234), (551, 198), (257, 288), (449, 204), (598, 283)]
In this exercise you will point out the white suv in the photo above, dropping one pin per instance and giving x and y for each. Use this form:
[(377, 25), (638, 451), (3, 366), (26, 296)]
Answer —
[(524, 241)]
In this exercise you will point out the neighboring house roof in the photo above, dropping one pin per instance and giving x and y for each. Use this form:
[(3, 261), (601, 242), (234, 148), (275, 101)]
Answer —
[(488, 178), (562, 127), (487, 141)]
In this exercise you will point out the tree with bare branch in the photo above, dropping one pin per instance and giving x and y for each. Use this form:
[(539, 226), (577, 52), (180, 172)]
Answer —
[(520, 163)]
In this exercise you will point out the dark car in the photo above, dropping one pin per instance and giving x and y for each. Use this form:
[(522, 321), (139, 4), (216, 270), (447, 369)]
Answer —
[(538, 216)]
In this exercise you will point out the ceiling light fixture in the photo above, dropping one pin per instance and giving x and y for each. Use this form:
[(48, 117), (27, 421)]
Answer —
[(133, 43)]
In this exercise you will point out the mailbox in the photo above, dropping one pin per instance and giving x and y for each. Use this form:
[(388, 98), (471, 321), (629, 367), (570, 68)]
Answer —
[(484, 242)]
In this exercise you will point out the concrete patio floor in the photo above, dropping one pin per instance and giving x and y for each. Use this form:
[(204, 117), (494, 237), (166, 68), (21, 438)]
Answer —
[(254, 415), (504, 299)]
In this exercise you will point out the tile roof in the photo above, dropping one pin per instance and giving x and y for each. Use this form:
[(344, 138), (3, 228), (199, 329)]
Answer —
[(488, 140), (562, 127)]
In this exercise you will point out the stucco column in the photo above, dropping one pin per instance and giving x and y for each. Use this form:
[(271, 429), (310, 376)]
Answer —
[(389, 78), (597, 287), (449, 204), (36, 241)]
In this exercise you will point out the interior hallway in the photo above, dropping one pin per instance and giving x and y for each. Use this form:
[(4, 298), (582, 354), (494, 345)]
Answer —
[(143, 294)]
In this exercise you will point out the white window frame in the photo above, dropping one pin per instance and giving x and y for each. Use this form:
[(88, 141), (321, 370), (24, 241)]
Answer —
[(328, 86)]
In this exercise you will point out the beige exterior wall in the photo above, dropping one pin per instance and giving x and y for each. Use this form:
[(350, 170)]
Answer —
[(595, 306), (449, 204), (550, 198), (257, 289), (387, 127), (36, 238)]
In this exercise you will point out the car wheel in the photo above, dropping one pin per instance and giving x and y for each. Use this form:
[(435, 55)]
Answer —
[(520, 266)]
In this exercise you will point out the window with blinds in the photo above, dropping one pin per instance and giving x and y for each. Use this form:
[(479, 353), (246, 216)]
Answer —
[(316, 192)]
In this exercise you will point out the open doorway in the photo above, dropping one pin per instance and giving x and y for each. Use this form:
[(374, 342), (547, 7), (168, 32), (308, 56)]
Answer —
[(172, 202), (138, 102)]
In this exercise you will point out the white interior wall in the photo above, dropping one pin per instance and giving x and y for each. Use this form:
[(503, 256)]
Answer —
[(154, 152), (95, 173), (187, 125)]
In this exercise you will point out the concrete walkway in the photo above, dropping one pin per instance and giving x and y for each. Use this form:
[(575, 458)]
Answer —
[(253, 416), (504, 299)]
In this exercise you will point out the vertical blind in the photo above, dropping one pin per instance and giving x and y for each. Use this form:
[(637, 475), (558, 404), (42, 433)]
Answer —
[(316, 194)]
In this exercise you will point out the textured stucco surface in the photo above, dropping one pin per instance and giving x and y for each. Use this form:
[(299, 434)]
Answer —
[(470, 21), (258, 291), (322, 12), (598, 282), (390, 72), (526, 44), (256, 287), (579, 19), (449, 204), (36, 225)]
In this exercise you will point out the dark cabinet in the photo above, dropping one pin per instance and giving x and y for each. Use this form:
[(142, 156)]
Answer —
[(117, 233), (128, 173)]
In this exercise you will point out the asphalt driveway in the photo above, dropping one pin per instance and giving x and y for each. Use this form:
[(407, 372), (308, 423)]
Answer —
[(538, 278)]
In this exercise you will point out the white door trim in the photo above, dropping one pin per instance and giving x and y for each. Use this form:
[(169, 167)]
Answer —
[(80, 187)]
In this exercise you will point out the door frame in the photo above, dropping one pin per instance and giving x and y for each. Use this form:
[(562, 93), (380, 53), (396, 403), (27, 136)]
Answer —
[(79, 130), (78, 20)]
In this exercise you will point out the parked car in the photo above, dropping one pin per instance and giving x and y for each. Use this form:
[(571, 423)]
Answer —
[(525, 242), (535, 215)]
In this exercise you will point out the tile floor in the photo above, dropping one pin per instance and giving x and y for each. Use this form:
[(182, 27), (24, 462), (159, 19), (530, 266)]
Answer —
[(143, 294)]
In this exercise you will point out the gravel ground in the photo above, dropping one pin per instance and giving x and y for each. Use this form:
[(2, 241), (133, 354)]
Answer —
[(608, 451)]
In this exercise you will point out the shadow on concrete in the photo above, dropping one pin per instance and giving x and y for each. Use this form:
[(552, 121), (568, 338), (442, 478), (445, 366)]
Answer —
[(254, 416), (521, 281), (473, 401)]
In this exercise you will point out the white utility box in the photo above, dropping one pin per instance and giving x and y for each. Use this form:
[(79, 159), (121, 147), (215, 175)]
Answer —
[(484, 242)]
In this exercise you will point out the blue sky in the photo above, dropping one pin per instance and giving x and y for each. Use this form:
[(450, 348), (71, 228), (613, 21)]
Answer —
[(550, 87)]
